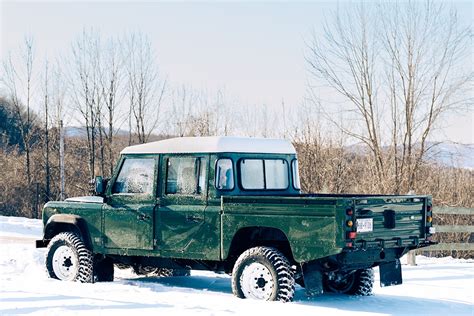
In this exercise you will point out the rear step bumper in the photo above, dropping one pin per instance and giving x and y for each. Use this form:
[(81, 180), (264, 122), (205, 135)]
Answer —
[(411, 243)]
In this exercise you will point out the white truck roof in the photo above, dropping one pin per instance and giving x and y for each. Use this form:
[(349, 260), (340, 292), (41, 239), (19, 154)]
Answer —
[(213, 144)]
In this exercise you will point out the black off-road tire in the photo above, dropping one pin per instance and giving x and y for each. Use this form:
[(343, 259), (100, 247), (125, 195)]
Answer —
[(83, 272), (364, 282), (361, 283), (277, 264), (103, 270)]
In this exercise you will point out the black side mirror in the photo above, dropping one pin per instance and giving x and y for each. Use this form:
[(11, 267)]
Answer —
[(99, 186)]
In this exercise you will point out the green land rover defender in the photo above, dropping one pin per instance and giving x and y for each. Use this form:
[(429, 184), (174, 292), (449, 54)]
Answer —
[(232, 205)]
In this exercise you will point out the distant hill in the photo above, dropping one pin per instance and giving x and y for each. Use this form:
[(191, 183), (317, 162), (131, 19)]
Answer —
[(453, 154), (448, 153)]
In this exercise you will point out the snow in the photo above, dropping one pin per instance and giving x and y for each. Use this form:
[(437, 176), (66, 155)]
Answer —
[(214, 144), (86, 199), (441, 286)]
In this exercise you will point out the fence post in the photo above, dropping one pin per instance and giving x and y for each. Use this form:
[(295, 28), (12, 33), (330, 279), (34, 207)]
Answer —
[(411, 258)]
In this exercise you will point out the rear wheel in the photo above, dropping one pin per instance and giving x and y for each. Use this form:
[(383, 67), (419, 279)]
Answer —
[(360, 282), (263, 273), (68, 259)]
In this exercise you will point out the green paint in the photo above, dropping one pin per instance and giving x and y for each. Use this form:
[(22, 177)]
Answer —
[(202, 226)]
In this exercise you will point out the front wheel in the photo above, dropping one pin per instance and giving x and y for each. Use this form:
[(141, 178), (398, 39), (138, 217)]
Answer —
[(263, 273), (68, 259)]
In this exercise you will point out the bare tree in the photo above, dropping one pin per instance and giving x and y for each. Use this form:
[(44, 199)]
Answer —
[(396, 68), (425, 53), (85, 88), (194, 112), (111, 86), (47, 167), (58, 115), (344, 58), (18, 79), (146, 88)]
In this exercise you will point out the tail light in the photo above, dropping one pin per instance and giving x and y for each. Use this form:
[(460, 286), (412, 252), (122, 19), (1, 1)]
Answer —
[(351, 235)]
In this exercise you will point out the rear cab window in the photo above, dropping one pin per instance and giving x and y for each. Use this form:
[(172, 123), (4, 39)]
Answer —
[(264, 174)]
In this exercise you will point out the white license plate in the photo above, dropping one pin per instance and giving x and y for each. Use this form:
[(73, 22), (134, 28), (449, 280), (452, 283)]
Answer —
[(364, 225)]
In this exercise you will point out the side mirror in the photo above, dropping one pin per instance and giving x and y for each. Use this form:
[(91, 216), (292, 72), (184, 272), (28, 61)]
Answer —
[(99, 186)]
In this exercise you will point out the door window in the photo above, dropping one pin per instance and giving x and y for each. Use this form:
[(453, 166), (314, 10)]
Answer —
[(185, 175), (135, 177)]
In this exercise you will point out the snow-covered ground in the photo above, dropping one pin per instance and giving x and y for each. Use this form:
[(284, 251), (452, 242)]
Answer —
[(434, 287)]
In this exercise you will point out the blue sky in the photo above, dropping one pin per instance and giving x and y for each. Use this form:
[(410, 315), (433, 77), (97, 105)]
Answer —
[(255, 51)]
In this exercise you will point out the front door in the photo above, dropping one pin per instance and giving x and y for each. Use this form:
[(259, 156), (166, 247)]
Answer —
[(128, 214), (182, 203)]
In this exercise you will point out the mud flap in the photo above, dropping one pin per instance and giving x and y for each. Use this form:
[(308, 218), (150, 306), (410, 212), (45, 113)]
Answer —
[(313, 279), (390, 273)]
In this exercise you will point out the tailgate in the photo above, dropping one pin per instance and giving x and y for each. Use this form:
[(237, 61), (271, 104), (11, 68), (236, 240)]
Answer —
[(391, 221)]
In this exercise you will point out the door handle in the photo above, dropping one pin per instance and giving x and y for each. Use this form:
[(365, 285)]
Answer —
[(194, 218)]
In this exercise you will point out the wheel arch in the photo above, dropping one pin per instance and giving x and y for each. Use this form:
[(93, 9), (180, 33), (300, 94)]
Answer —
[(60, 223), (253, 236)]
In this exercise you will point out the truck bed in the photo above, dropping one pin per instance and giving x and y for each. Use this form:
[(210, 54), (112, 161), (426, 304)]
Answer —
[(378, 221)]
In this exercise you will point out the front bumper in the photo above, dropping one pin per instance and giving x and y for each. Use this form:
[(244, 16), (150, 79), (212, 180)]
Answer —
[(42, 243)]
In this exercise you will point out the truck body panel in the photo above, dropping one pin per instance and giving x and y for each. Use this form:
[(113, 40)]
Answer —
[(170, 209)]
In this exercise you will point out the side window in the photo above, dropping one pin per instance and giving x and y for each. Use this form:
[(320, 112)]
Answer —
[(185, 175), (135, 177), (260, 174), (296, 174), (224, 174), (251, 173), (276, 174)]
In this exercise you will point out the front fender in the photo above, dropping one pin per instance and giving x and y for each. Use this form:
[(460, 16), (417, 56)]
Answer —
[(59, 223)]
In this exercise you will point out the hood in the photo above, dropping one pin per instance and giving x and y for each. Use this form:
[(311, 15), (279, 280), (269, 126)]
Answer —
[(86, 199)]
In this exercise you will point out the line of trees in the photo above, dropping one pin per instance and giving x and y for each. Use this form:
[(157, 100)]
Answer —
[(114, 90), (398, 68), (392, 71)]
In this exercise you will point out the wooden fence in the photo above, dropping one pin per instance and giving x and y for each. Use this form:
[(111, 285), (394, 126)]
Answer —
[(448, 229)]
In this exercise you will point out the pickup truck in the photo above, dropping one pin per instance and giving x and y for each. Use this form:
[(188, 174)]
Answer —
[(231, 205)]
